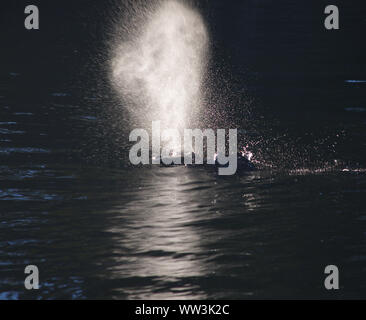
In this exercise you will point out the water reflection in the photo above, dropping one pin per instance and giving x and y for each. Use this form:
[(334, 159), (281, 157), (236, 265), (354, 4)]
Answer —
[(156, 229)]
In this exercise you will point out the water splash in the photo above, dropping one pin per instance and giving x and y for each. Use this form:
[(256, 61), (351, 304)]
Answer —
[(158, 71)]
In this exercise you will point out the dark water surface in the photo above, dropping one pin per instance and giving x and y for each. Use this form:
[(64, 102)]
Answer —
[(98, 228), (180, 233)]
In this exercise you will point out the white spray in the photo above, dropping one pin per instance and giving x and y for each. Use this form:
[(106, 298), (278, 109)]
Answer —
[(159, 70)]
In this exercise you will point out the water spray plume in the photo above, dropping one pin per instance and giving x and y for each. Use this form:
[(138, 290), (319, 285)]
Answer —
[(158, 71)]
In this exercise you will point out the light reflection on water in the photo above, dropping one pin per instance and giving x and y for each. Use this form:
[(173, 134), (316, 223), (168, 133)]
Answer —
[(186, 233), (157, 229)]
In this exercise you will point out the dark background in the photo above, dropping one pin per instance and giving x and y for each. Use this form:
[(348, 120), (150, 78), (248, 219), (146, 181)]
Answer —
[(282, 40), (269, 36), (279, 51), (275, 54), (100, 231)]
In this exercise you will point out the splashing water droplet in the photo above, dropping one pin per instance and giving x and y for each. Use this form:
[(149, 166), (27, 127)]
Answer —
[(158, 72)]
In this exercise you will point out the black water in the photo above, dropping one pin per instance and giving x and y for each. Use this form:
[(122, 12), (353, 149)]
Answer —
[(98, 228)]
